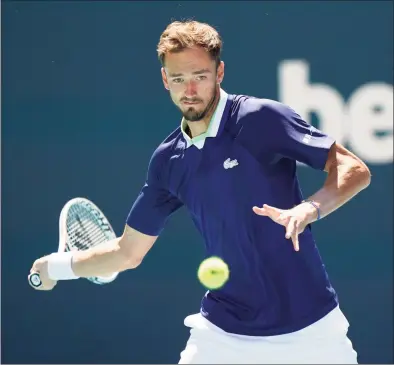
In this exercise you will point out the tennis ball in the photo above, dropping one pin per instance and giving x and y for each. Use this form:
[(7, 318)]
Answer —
[(213, 273)]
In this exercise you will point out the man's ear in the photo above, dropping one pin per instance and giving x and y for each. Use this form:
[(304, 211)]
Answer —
[(164, 78), (220, 73)]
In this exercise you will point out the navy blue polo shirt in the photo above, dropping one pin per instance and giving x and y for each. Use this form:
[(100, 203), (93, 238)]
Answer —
[(246, 158)]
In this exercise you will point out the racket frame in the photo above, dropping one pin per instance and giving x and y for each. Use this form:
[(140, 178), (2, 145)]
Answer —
[(34, 277)]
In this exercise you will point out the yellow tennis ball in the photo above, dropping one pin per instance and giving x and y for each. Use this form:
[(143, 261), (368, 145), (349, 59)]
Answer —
[(213, 273)]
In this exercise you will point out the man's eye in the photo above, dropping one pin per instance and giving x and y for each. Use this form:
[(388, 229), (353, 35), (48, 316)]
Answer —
[(177, 81), (200, 78)]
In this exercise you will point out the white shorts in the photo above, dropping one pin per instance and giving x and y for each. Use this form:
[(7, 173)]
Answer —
[(324, 342)]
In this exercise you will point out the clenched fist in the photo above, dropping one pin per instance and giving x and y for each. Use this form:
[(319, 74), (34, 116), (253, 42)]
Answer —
[(40, 266)]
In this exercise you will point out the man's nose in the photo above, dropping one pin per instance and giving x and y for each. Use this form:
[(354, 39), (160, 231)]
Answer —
[(191, 89)]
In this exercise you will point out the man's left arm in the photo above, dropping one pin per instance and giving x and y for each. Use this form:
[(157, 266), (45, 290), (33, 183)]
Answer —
[(347, 174)]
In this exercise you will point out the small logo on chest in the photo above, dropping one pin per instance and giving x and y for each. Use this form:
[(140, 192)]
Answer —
[(229, 164)]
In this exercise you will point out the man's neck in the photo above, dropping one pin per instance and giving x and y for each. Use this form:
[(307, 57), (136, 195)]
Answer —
[(195, 129)]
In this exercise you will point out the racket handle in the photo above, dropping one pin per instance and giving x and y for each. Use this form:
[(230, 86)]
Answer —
[(35, 280)]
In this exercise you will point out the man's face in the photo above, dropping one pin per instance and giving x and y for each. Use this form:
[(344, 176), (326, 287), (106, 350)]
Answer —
[(192, 78)]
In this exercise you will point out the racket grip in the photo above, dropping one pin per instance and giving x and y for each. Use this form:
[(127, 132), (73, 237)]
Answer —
[(35, 280)]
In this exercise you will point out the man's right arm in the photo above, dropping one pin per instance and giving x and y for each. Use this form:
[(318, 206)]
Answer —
[(123, 253), (146, 219)]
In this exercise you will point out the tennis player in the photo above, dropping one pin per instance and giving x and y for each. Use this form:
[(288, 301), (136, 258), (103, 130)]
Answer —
[(232, 164)]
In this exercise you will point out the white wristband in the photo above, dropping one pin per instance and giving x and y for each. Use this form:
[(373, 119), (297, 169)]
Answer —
[(59, 266)]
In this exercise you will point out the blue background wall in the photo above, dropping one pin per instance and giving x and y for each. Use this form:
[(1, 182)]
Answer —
[(83, 108)]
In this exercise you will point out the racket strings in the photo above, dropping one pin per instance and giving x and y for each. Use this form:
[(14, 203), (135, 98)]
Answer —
[(83, 228)]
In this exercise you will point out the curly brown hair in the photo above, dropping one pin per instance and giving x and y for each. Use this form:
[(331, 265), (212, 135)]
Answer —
[(187, 34)]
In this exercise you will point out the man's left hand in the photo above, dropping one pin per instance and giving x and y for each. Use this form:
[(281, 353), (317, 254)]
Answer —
[(294, 220)]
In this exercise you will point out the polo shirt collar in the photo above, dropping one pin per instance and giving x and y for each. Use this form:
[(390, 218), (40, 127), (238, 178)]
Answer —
[(213, 126)]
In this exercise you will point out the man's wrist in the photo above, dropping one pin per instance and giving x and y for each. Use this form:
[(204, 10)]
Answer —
[(60, 266), (313, 210)]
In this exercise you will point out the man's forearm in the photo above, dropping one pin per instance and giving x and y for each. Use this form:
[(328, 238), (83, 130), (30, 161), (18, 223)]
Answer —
[(344, 181), (103, 260), (106, 259)]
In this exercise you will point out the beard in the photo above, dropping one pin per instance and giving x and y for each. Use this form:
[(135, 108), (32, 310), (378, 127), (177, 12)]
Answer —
[(193, 115)]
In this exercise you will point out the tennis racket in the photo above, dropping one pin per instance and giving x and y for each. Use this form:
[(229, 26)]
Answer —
[(82, 225)]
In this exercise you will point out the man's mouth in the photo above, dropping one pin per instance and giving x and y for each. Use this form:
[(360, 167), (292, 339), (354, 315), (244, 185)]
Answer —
[(190, 102)]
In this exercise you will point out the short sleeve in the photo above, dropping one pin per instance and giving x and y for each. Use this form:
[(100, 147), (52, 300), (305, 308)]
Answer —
[(288, 135), (154, 204)]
